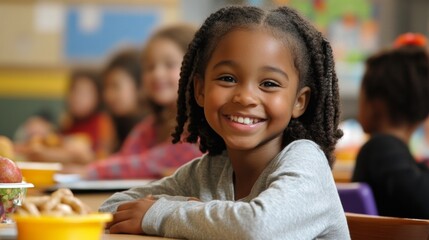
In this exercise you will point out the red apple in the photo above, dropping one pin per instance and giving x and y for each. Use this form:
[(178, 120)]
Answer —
[(9, 172)]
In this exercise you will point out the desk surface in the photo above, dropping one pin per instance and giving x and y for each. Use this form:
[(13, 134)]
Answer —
[(128, 237), (93, 200), (8, 232)]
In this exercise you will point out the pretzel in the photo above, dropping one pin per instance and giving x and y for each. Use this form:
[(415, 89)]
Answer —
[(75, 204), (51, 203), (64, 208), (60, 203), (62, 192), (39, 200), (31, 208)]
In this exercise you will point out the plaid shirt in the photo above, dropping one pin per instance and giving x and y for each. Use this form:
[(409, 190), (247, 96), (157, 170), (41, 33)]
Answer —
[(142, 157)]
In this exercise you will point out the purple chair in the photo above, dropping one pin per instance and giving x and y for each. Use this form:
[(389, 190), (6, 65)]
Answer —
[(357, 198)]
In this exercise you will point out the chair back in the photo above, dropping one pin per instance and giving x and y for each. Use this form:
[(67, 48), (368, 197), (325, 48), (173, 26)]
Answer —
[(367, 227), (357, 198)]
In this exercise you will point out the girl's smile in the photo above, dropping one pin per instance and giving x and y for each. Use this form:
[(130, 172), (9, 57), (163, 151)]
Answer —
[(243, 123), (244, 119)]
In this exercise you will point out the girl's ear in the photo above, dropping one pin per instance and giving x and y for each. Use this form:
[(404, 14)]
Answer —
[(199, 90), (301, 102)]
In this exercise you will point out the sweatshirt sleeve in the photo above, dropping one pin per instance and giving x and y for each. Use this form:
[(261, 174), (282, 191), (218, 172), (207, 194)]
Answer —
[(173, 187), (300, 202)]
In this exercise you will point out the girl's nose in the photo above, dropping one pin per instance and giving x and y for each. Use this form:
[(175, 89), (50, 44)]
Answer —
[(245, 95)]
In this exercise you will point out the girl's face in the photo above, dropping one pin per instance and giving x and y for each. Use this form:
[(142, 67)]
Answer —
[(83, 98), (250, 90), (161, 71), (120, 93)]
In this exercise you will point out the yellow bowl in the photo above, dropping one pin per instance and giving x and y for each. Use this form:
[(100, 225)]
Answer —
[(39, 174), (82, 227)]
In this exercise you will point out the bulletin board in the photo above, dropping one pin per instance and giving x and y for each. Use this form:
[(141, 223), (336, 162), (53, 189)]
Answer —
[(23, 40), (352, 27), (92, 33), (54, 33)]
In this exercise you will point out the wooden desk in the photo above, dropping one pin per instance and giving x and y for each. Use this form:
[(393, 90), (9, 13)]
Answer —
[(93, 200), (128, 237), (8, 232), (364, 227)]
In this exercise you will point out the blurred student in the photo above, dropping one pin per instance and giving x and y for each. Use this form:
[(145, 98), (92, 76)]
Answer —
[(86, 116), (40, 124), (148, 151), (85, 133), (393, 103), (121, 93)]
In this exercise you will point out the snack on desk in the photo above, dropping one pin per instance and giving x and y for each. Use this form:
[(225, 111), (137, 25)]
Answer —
[(59, 203)]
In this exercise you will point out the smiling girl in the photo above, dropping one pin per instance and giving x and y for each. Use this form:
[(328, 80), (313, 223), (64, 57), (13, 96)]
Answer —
[(258, 91)]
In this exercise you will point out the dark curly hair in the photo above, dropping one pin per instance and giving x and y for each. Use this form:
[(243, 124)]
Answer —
[(400, 79), (312, 57)]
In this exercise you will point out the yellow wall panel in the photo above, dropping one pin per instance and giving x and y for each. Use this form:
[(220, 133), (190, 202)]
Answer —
[(33, 83)]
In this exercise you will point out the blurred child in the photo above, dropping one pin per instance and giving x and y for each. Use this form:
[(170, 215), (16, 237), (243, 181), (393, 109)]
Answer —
[(258, 92), (86, 133), (121, 90), (393, 103), (148, 151), (39, 125)]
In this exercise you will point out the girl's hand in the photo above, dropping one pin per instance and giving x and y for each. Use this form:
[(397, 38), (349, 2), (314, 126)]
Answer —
[(129, 216)]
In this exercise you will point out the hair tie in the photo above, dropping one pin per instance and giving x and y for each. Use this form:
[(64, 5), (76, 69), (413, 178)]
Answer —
[(410, 39)]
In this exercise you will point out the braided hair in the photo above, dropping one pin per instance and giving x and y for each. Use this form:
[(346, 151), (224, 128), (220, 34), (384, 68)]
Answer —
[(312, 56)]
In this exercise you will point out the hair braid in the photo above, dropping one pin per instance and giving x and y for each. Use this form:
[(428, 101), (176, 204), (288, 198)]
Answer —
[(186, 92), (323, 128)]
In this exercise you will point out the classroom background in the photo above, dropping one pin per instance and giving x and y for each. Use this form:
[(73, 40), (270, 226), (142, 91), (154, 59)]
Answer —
[(40, 41)]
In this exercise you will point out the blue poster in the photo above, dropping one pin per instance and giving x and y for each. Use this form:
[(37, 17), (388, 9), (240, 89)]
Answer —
[(91, 34)]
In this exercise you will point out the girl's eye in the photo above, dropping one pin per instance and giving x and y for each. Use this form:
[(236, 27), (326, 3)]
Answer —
[(226, 79), (269, 84)]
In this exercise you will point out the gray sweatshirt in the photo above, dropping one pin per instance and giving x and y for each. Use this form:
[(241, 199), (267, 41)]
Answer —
[(295, 197)]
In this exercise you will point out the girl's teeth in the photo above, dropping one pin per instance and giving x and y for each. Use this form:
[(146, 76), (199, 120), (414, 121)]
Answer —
[(240, 120), (243, 120)]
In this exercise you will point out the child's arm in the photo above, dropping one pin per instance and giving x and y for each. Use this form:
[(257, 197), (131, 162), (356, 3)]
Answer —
[(173, 187)]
